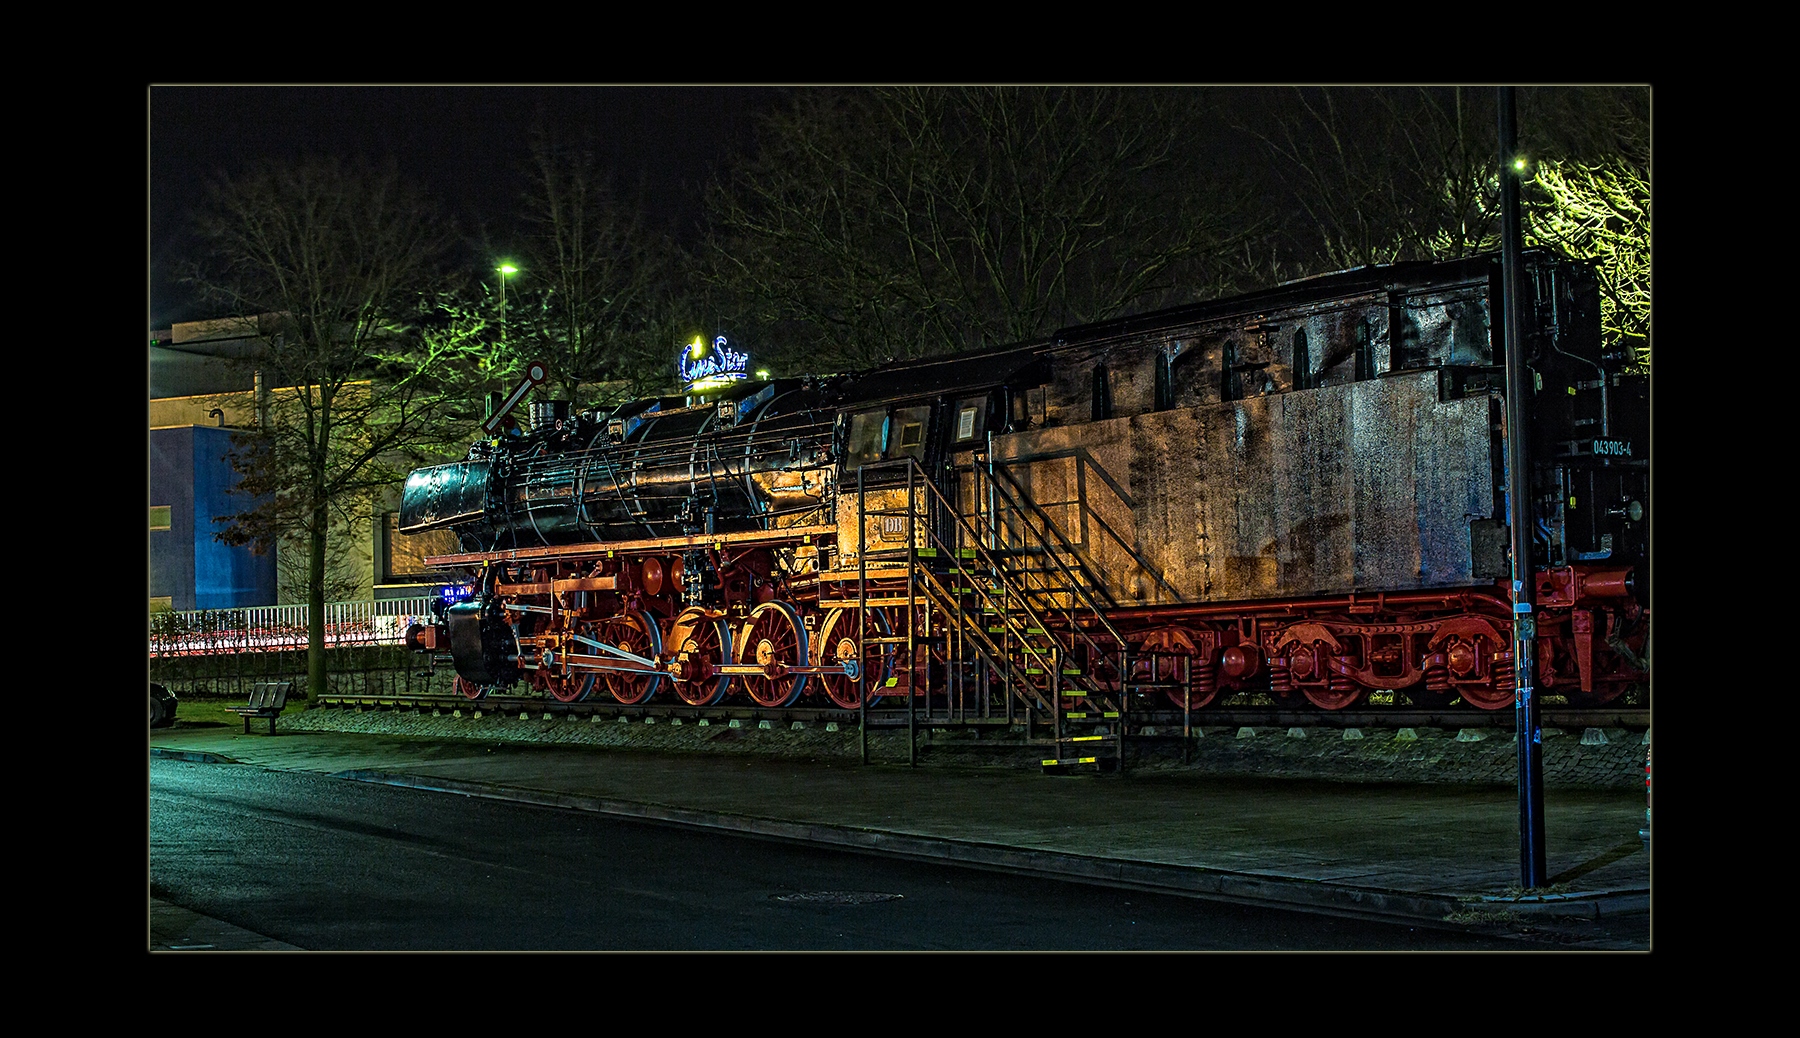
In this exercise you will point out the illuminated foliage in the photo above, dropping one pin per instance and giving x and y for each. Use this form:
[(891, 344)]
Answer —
[(1601, 210)]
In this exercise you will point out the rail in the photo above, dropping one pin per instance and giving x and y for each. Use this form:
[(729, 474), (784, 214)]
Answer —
[(219, 632)]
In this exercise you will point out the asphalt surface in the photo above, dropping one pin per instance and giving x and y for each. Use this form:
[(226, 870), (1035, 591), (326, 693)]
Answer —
[(1440, 853)]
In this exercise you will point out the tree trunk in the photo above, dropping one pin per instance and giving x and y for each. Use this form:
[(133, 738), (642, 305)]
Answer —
[(315, 607)]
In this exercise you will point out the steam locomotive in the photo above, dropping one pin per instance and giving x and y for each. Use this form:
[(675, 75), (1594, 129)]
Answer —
[(1296, 495)]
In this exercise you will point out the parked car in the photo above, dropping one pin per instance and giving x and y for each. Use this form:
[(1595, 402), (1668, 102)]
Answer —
[(162, 706)]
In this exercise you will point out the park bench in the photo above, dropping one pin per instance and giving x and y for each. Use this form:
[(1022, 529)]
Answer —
[(267, 699)]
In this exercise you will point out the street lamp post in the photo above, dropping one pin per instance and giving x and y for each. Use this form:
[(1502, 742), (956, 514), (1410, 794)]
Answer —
[(506, 270)]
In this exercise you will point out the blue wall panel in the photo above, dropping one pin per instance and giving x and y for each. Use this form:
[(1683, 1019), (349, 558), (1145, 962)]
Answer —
[(189, 473)]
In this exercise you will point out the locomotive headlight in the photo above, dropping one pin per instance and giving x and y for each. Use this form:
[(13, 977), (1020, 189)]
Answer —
[(1630, 511)]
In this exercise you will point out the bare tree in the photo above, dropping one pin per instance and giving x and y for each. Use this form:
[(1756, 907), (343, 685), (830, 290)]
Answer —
[(1384, 175), (593, 277), (339, 267), (905, 222)]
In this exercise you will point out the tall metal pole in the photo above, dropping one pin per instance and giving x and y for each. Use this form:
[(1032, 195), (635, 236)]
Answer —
[(504, 270), (1518, 492)]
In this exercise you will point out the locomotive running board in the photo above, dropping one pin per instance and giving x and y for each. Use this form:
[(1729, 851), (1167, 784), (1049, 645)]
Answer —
[(803, 534)]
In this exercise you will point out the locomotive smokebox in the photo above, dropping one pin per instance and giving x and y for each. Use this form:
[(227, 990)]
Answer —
[(440, 495)]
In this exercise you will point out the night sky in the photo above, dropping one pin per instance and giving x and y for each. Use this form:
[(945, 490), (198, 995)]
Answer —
[(466, 146)]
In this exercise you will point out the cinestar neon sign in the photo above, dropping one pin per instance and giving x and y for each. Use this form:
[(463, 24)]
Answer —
[(713, 365)]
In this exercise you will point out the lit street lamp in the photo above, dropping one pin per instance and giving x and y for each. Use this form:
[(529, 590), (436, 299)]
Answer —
[(506, 270)]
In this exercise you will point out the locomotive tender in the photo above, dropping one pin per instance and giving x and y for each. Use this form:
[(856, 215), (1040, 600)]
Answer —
[(1296, 494)]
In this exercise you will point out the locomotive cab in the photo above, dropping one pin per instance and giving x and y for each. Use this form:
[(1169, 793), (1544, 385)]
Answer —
[(901, 425)]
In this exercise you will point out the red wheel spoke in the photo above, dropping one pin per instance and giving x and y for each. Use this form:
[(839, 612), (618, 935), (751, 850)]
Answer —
[(704, 643), (844, 630), (566, 685), (637, 634), (774, 639)]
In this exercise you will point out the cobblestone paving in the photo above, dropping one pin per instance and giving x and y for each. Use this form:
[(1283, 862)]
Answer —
[(1596, 758)]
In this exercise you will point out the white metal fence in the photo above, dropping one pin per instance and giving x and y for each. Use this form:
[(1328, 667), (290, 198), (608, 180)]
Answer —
[(218, 632)]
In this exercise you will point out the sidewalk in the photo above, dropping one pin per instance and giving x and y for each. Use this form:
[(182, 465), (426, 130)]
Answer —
[(1402, 852)]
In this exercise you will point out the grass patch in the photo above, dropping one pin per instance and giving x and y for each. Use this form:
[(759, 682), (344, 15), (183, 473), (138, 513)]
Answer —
[(212, 711), (1518, 892), (1482, 916)]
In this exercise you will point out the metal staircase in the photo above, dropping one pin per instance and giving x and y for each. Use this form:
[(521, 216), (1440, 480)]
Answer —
[(995, 603)]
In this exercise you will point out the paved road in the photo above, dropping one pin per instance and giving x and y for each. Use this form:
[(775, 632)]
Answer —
[(321, 863), (1409, 854)]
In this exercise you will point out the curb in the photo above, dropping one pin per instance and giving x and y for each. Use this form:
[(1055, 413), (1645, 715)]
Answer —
[(196, 756), (1182, 880)]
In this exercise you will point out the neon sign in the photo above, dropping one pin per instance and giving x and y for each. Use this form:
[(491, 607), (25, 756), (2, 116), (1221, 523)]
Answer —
[(713, 364)]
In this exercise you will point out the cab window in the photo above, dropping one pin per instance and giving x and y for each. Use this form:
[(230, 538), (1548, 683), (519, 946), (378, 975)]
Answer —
[(971, 420), (906, 437), (868, 437), (886, 435)]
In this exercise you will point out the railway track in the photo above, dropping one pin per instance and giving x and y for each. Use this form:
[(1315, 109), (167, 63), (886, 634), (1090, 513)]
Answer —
[(1143, 723)]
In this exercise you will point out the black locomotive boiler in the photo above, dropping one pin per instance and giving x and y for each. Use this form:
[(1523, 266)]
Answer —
[(1296, 495)]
